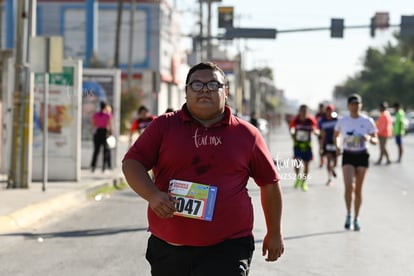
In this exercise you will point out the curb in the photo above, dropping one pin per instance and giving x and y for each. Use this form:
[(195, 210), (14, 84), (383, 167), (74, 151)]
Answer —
[(31, 214)]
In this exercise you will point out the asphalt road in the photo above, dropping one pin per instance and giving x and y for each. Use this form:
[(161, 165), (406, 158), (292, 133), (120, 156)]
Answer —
[(108, 237)]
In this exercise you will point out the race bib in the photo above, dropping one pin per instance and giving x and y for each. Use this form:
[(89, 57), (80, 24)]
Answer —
[(194, 200), (330, 147), (302, 135), (353, 142)]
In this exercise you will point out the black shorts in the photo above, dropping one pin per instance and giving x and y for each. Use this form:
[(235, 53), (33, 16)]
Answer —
[(356, 159), (228, 258)]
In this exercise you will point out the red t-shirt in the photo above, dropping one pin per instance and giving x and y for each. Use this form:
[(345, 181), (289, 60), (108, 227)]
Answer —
[(142, 123), (303, 128), (225, 155)]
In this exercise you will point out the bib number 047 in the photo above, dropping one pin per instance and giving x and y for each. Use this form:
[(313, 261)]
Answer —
[(189, 206)]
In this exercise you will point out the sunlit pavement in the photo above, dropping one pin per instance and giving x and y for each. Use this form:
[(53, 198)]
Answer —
[(316, 242)]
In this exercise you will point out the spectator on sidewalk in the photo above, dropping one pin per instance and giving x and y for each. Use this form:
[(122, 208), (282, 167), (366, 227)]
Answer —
[(102, 125), (110, 144), (253, 119), (301, 128), (384, 126), (204, 144), (169, 109), (356, 131), (141, 122), (399, 129)]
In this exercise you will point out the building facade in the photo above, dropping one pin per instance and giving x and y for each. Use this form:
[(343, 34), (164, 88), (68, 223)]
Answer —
[(151, 55)]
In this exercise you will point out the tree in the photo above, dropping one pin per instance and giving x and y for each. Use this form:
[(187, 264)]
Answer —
[(387, 74)]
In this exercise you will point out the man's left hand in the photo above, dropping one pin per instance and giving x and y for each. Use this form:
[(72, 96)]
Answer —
[(273, 246)]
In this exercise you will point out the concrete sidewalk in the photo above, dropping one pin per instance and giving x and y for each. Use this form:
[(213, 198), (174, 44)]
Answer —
[(22, 208)]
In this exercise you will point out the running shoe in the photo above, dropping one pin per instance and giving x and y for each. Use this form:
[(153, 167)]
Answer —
[(348, 222), (304, 186), (329, 183), (297, 183), (356, 225), (333, 173)]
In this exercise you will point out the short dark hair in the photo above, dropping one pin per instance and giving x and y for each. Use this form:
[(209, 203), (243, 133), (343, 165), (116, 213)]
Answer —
[(384, 104), (396, 105), (142, 108), (205, 66), (102, 105)]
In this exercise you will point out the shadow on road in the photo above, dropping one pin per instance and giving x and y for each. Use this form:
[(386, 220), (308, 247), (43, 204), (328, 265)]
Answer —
[(78, 233), (310, 235)]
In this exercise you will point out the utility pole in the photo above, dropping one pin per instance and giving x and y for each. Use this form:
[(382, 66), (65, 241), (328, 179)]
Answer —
[(1, 24), (20, 168), (201, 33), (131, 42), (209, 46), (118, 32)]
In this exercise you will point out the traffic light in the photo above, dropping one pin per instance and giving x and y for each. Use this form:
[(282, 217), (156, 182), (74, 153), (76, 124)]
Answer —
[(337, 27), (407, 26), (372, 27)]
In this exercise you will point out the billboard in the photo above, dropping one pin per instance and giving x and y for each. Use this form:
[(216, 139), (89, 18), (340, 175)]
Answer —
[(63, 124)]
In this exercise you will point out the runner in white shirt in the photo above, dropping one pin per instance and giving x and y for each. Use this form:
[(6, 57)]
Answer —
[(356, 131)]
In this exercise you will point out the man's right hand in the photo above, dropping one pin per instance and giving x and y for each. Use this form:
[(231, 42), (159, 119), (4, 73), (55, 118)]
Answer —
[(162, 205)]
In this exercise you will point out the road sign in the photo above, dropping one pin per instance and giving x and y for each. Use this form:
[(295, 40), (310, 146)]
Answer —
[(225, 17), (250, 33)]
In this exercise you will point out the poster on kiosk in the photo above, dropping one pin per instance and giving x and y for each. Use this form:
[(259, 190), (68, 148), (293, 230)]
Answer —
[(63, 123)]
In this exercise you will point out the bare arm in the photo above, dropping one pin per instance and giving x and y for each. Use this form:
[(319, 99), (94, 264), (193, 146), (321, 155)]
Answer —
[(372, 138), (271, 197), (337, 142), (109, 127), (139, 180)]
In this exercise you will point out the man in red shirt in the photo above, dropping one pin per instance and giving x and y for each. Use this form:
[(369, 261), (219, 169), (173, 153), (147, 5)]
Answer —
[(301, 128), (199, 210), (140, 123)]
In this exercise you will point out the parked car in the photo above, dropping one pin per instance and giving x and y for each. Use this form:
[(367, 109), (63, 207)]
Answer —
[(410, 119)]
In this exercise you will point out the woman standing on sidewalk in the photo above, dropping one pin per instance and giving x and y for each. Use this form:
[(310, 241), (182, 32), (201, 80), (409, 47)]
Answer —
[(102, 122), (356, 130)]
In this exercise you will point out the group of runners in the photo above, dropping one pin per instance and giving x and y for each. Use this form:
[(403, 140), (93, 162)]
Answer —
[(302, 127), (349, 137)]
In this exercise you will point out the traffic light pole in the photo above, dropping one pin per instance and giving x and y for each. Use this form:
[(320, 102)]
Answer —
[(327, 28)]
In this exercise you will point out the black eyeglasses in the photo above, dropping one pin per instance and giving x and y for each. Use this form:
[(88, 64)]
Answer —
[(197, 86)]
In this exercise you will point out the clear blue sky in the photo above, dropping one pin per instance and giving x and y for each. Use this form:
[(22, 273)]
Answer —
[(308, 65)]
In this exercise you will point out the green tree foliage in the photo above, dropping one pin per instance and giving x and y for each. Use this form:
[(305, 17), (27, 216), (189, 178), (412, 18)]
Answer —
[(387, 74)]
